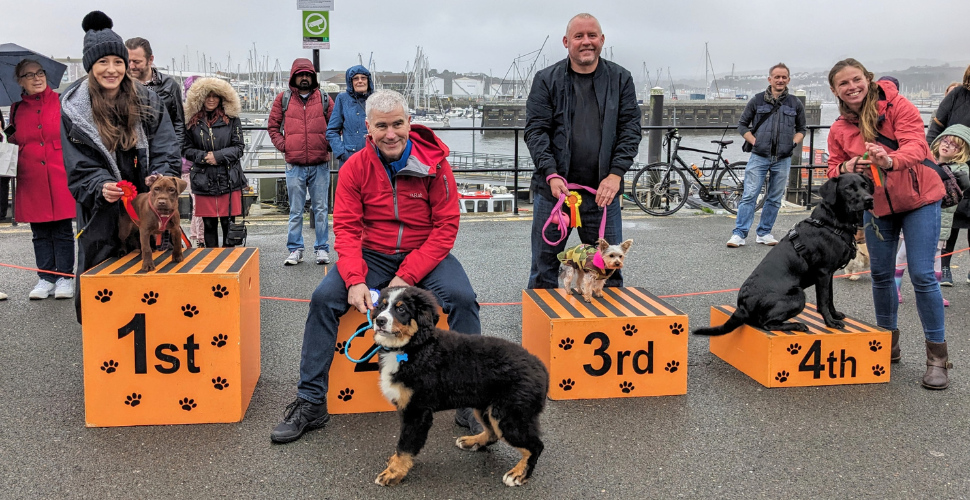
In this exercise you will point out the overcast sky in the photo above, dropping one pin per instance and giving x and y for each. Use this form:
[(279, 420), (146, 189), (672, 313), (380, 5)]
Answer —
[(485, 36)]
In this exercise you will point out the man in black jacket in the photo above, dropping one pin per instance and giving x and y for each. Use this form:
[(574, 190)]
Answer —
[(773, 122), (582, 124), (141, 67)]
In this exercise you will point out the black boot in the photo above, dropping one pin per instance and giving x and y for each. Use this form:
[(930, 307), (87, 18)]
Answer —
[(894, 351), (301, 416), (937, 364)]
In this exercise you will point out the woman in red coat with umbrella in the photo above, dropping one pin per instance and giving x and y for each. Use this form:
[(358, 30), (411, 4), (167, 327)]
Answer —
[(42, 196)]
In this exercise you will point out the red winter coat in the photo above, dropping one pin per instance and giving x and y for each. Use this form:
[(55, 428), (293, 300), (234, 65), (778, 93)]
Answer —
[(416, 214), (304, 137), (42, 194), (910, 184)]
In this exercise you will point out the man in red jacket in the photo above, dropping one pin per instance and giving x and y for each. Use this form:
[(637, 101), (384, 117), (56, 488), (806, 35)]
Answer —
[(298, 128), (395, 221)]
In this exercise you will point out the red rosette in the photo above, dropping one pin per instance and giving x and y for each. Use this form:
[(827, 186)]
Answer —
[(129, 192)]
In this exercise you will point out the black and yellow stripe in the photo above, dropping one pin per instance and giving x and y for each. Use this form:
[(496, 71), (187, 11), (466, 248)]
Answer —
[(813, 320), (195, 261), (615, 303)]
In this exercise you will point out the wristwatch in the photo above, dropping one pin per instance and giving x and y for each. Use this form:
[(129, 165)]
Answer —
[(890, 167)]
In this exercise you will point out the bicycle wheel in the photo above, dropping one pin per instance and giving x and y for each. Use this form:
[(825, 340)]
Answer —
[(660, 189), (730, 187)]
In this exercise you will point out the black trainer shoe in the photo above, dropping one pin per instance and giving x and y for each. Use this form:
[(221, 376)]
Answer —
[(301, 416), (465, 418), (946, 277)]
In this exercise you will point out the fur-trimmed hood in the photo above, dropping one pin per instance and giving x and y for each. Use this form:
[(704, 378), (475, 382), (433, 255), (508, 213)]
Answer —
[(195, 97)]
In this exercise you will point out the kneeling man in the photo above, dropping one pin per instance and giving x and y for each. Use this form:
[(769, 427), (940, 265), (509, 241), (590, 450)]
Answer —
[(395, 220)]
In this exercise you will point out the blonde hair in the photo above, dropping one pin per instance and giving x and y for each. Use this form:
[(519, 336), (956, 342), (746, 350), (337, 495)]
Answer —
[(963, 151), (869, 116), (966, 78)]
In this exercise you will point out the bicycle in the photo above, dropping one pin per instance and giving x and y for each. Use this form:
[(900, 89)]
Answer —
[(662, 189)]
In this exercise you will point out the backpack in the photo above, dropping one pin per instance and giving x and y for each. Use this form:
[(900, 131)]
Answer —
[(288, 93)]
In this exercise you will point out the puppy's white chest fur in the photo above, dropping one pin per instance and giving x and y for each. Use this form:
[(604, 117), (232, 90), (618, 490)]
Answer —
[(395, 392)]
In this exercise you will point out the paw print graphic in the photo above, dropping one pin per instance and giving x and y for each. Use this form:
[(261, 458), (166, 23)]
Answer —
[(220, 340), (782, 376), (220, 383), (626, 387), (190, 311), (878, 370), (794, 348), (341, 348), (676, 328), (672, 366), (104, 295), (629, 330), (133, 400), (567, 384), (150, 298), (187, 404), (109, 366), (219, 291), (566, 344), (874, 345), (346, 394)]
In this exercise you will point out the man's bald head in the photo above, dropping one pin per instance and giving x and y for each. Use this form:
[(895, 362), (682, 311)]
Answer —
[(583, 16)]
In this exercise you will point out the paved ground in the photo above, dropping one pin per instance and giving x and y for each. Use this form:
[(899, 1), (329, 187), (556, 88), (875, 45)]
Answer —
[(727, 438)]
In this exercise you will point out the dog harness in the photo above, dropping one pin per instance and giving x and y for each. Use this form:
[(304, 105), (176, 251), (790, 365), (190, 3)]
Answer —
[(587, 258), (793, 235)]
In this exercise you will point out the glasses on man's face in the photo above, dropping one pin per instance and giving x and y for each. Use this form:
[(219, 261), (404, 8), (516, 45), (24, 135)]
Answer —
[(37, 74)]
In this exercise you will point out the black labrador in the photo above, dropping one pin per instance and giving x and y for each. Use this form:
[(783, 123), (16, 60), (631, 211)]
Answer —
[(808, 255)]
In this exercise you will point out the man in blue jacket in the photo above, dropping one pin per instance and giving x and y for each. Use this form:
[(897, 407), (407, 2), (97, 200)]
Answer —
[(773, 122), (346, 131)]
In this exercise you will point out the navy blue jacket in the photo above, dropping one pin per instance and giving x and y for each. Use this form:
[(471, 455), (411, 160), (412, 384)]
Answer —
[(346, 131), (776, 137), (548, 115)]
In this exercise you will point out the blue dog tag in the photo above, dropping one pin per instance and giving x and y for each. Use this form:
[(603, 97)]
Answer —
[(402, 357)]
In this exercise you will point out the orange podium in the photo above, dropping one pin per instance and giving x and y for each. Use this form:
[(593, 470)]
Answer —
[(857, 354), (355, 387), (178, 345), (626, 344)]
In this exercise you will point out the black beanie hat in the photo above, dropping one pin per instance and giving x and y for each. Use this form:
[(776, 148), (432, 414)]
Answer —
[(100, 41)]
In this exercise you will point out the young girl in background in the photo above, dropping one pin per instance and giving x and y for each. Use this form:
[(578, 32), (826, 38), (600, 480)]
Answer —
[(952, 148)]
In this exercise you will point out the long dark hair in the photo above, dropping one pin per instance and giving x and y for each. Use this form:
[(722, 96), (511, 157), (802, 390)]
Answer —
[(117, 118), (869, 115)]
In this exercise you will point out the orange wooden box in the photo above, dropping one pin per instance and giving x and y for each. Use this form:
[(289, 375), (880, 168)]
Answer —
[(355, 387), (627, 344), (857, 354), (178, 345)]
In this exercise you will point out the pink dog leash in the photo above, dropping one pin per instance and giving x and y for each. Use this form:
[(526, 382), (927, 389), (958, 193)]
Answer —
[(561, 219)]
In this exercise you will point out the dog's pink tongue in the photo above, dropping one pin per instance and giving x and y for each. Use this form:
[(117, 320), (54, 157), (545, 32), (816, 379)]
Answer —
[(598, 260)]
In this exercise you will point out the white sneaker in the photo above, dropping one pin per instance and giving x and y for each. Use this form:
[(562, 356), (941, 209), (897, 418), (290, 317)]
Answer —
[(42, 290), (735, 241), (767, 239), (3, 296), (64, 288), (322, 257), (296, 256)]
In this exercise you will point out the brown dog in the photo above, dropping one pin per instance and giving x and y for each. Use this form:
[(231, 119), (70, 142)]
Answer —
[(158, 211)]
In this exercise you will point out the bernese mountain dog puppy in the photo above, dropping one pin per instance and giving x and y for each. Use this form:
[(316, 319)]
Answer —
[(424, 369)]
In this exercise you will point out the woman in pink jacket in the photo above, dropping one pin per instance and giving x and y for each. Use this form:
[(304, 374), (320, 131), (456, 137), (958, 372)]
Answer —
[(42, 196), (880, 134)]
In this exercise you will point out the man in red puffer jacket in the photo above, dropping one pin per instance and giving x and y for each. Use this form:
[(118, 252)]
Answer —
[(298, 128)]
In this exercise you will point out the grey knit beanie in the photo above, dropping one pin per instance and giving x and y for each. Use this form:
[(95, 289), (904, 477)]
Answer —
[(100, 41)]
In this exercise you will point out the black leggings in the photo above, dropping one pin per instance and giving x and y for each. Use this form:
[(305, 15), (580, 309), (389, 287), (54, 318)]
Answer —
[(951, 243), (211, 231)]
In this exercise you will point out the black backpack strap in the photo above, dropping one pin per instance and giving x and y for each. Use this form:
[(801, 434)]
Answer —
[(765, 118)]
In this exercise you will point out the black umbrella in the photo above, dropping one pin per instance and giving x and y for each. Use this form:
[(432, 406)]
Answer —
[(10, 55)]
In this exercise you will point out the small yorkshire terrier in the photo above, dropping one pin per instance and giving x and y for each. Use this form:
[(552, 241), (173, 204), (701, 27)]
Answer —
[(585, 268)]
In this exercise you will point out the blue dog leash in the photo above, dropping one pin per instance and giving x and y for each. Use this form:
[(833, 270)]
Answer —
[(374, 294)]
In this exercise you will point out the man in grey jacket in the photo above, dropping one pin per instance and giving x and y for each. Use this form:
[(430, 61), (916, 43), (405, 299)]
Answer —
[(773, 122), (582, 125)]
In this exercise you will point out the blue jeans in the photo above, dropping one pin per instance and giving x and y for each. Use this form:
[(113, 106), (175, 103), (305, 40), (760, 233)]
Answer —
[(447, 281), (922, 228), (53, 248), (754, 177), (299, 179), (545, 263)]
